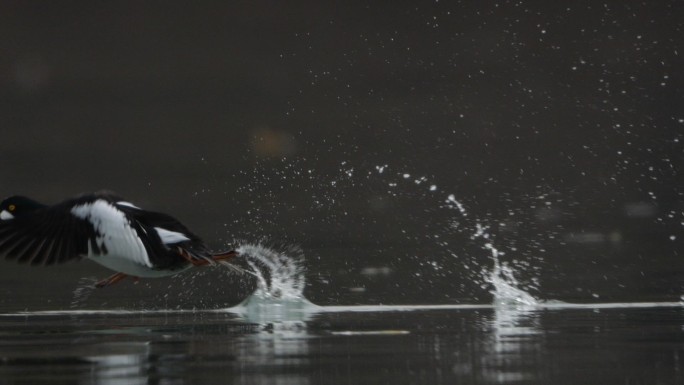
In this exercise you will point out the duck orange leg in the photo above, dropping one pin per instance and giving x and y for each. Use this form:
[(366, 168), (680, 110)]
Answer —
[(203, 262), (110, 280), (224, 256)]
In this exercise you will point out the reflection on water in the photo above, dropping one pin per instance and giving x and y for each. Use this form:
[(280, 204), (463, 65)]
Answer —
[(268, 356), (514, 339), (128, 367), (490, 345), (276, 336)]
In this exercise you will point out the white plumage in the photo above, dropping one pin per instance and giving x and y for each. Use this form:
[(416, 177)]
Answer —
[(170, 237), (127, 204), (121, 242), (105, 229)]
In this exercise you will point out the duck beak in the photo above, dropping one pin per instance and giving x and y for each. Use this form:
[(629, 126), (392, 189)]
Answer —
[(5, 215)]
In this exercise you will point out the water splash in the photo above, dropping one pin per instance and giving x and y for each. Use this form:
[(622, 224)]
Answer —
[(499, 277), (460, 257), (505, 288), (280, 275), (491, 274), (85, 288), (280, 285)]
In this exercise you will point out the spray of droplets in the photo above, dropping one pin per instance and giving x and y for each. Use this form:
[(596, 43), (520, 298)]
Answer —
[(280, 275), (82, 292), (499, 276)]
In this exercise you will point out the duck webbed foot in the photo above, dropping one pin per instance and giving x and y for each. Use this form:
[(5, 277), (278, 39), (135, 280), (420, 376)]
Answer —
[(111, 280)]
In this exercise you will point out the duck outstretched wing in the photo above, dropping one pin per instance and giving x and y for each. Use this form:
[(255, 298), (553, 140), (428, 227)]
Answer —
[(46, 236)]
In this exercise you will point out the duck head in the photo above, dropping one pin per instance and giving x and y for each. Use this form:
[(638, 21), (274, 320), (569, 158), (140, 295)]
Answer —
[(17, 206)]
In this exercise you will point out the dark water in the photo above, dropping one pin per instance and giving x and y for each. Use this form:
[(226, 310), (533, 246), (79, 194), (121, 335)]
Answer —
[(424, 153), (619, 345), (277, 336)]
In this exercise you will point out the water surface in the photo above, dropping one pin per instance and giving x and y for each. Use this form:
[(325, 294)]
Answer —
[(479, 344)]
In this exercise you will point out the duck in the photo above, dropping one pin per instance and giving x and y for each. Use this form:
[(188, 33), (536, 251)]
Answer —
[(106, 229)]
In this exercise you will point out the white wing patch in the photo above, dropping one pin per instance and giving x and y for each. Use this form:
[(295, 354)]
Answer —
[(170, 237), (127, 204), (117, 236)]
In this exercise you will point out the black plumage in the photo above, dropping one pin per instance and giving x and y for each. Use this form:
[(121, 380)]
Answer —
[(102, 227)]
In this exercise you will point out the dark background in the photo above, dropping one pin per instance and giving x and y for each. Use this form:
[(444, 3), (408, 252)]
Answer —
[(558, 125)]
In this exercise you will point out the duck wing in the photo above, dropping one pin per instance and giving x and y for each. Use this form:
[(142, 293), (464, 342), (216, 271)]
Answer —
[(46, 236), (164, 233)]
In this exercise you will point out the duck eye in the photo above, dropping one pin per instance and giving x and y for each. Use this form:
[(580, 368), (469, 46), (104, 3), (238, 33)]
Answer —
[(12, 207)]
